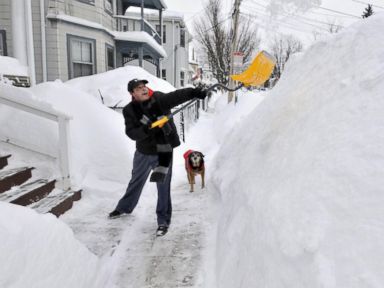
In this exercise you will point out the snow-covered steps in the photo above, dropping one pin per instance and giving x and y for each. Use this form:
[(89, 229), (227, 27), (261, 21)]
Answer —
[(14, 177), (4, 161), (29, 192), (58, 203), (38, 194)]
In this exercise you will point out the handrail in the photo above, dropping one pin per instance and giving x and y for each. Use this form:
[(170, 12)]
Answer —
[(63, 127)]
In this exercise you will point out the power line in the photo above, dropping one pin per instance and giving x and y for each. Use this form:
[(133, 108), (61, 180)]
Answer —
[(287, 25), (310, 20), (305, 19), (362, 2), (323, 8), (338, 12)]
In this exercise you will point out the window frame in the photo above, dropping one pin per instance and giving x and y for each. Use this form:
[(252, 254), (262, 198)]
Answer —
[(182, 78), (70, 38), (110, 12), (164, 37), (182, 37), (3, 35), (109, 47), (89, 2), (164, 74)]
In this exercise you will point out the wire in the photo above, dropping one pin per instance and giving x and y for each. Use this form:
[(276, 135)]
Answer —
[(287, 25), (305, 19), (362, 2), (338, 12)]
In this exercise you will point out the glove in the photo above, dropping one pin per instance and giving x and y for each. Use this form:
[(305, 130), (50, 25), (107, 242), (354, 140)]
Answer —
[(200, 93), (147, 123)]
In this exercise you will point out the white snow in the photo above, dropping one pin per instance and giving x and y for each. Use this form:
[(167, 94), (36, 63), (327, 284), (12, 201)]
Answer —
[(141, 37), (135, 36), (294, 183), (40, 251), (12, 66), (301, 177), (112, 85)]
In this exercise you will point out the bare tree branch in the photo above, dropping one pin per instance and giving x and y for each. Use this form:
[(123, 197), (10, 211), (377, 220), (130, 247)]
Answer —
[(215, 37)]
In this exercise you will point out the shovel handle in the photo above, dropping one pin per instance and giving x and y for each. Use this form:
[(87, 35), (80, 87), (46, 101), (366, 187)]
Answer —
[(161, 122)]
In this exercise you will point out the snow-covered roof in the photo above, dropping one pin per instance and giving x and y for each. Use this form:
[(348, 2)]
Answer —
[(79, 21), (167, 16), (142, 37), (136, 36)]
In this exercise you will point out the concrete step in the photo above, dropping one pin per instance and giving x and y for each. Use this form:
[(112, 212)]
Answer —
[(4, 160), (57, 203), (14, 177), (29, 192)]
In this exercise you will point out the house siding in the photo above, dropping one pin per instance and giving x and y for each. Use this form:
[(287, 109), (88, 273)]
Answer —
[(56, 31), (58, 56), (176, 61), (6, 23), (36, 28)]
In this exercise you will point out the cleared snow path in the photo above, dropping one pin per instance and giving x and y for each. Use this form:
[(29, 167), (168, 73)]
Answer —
[(133, 257)]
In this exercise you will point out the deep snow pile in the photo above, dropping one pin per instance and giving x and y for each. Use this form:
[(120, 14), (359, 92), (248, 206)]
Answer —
[(99, 147), (112, 85), (39, 251), (301, 178)]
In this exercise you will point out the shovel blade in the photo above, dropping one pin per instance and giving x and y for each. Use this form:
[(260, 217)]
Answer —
[(258, 72)]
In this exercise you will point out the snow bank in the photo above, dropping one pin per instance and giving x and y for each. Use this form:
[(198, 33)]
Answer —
[(100, 149), (112, 85), (40, 251), (301, 178), (12, 66), (99, 146)]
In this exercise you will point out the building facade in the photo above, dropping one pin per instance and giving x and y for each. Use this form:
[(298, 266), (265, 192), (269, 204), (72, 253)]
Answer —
[(65, 39), (176, 39)]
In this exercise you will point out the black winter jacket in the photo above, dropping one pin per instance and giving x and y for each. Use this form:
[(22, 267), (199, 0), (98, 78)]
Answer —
[(146, 138)]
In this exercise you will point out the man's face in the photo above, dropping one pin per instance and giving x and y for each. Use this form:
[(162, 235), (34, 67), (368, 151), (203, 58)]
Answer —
[(140, 93)]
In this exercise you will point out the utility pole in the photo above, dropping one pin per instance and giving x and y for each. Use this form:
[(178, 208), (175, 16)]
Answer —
[(235, 22)]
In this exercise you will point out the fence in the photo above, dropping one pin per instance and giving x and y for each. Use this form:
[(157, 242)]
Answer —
[(188, 116), (63, 128)]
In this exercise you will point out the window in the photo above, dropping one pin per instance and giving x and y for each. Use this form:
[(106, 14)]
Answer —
[(3, 43), (110, 57), (164, 32), (92, 2), (81, 56), (182, 37), (182, 78), (108, 6), (164, 74)]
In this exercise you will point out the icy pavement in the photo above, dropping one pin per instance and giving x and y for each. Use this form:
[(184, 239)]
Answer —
[(132, 255)]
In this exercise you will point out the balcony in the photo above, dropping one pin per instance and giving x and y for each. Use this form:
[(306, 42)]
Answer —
[(132, 23)]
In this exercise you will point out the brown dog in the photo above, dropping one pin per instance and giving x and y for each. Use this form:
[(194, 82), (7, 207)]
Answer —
[(194, 164)]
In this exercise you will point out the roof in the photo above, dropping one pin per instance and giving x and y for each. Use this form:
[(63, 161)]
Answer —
[(150, 4)]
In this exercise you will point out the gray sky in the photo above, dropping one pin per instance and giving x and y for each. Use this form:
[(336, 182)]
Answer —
[(302, 28)]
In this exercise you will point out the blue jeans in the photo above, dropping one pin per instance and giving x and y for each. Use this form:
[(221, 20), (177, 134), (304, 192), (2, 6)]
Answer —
[(142, 166)]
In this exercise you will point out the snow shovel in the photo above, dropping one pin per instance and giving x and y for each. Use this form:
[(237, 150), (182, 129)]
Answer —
[(160, 123), (257, 73)]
